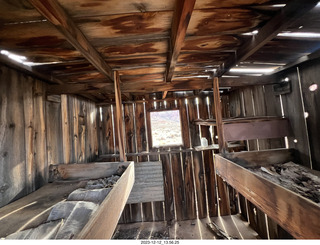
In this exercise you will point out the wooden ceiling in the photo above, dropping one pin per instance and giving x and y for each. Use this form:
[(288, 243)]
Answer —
[(156, 46)]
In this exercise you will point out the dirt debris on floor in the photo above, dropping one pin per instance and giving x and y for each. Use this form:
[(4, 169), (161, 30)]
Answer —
[(294, 177)]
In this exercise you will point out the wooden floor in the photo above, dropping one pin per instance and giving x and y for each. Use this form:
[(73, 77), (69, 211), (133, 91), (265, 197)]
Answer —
[(190, 229)]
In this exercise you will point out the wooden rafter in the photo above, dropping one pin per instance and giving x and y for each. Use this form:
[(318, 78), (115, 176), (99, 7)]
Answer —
[(52, 11), (182, 15), (287, 15)]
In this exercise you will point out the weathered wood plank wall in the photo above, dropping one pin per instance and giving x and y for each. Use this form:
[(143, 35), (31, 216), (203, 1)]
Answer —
[(257, 101), (189, 180), (36, 131), (309, 74)]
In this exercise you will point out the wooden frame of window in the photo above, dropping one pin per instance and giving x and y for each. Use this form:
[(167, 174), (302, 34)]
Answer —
[(149, 133)]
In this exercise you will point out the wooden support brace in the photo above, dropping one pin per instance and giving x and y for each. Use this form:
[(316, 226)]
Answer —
[(217, 106), (118, 117)]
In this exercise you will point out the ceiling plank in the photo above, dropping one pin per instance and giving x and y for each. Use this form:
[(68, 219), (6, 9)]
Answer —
[(287, 15), (53, 11), (180, 24)]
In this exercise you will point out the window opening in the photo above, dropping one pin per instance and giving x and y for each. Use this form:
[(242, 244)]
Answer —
[(166, 128)]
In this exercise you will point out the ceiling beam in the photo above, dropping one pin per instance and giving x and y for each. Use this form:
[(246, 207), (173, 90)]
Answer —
[(160, 86), (54, 12), (28, 70), (293, 10), (305, 58), (181, 18)]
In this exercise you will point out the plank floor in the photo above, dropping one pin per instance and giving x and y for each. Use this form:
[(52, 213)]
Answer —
[(190, 229)]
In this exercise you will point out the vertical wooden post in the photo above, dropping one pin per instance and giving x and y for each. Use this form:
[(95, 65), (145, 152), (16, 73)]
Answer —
[(217, 106), (118, 117), (65, 129), (224, 203)]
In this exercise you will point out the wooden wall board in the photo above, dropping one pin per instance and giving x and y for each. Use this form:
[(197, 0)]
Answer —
[(309, 74), (107, 130), (12, 132), (40, 142), (178, 174), (233, 199), (168, 187), (223, 197), (141, 132), (243, 207), (252, 216), (208, 159), (158, 211), (235, 104), (130, 134), (248, 108), (184, 123), (197, 159), (190, 204), (29, 133), (273, 108), (259, 101), (49, 127), (261, 224), (293, 110), (178, 187), (257, 130)]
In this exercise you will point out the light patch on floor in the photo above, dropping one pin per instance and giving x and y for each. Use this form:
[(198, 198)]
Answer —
[(197, 229)]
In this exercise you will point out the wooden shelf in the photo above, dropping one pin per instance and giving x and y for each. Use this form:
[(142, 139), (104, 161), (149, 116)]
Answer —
[(295, 213), (216, 147), (212, 122)]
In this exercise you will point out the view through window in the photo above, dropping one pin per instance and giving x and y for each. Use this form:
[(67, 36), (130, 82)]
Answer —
[(166, 128)]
